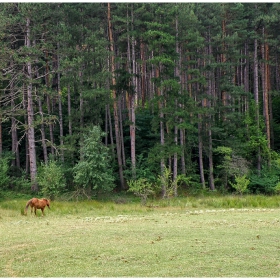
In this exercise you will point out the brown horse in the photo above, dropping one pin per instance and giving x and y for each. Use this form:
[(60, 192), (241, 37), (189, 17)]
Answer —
[(37, 204)]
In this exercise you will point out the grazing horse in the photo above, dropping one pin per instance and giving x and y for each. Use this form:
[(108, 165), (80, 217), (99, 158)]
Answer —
[(37, 204)]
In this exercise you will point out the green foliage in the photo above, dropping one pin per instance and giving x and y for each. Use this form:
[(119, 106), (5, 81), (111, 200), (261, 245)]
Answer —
[(21, 184), (257, 138), (13, 195), (170, 185), (264, 183), (277, 188), (199, 74), (4, 169), (226, 153), (231, 164), (142, 188), (94, 172), (51, 179), (268, 180), (144, 169), (241, 184)]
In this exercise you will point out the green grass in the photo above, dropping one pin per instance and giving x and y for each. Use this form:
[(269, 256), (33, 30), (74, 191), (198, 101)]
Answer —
[(185, 237)]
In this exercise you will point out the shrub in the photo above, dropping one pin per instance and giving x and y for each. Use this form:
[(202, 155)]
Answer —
[(230, 165), (94, 171), (21, 184), (4, 168), (241, 184), (171, 186), (51, 179), (267, 181), (142, 188), (144, 169)]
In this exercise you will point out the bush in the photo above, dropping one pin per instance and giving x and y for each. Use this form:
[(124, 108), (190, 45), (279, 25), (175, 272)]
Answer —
[(144, 169), (268, 180), (94, 171), (21, 184), (230, 165), (241, 184), (142, 188), (51, 179), (4, 169), (171, 186)]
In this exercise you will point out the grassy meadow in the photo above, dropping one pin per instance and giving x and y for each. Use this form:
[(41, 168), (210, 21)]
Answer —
[(225, 236)]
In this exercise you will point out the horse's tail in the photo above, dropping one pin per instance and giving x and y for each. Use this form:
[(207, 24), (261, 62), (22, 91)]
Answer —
[(26, 206)]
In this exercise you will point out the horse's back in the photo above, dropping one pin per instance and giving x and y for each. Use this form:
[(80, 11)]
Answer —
[(30, 201), (33, 202), (38, 203)]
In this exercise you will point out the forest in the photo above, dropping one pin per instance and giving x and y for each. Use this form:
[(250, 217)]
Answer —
[(158, 99)]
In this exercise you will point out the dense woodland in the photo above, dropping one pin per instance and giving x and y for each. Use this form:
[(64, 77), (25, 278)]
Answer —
[(168, 97)]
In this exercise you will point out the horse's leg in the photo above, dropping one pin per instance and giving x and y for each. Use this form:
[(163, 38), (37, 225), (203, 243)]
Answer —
[(35, 209), (42, 209)]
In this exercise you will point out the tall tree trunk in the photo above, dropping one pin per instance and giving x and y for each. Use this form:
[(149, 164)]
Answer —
[(200, 152), (211, 166), (30, 115), (132, 107), (265, 85), (132, 135), (121, 130), (81, 108), (43, 134), (277, 80), (182, 144), (60, 109), (49, 103), (246, 78), (143, 73), (108, 112), (110, 128), (24, 102), (256, 97), (223, 61), (50, 125), (114, 95), (271, 119), (161, 116), (15, 150), (131, 96), (106, 126), (246, 67), (175, 162), (60, 126), (69, 110), (210, 92), (181, 106), (175, 156)]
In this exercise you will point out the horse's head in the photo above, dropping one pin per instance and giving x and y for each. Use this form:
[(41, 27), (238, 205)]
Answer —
[(48, 202)]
